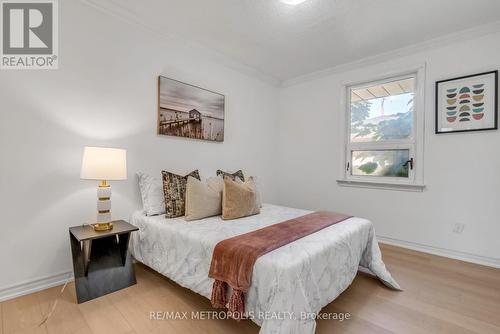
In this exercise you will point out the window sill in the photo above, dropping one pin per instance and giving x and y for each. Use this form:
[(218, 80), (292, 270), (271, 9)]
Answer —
[(382, 185)]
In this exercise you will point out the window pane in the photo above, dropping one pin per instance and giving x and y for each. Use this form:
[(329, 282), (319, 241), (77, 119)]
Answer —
[(388, 163), (382, 112)]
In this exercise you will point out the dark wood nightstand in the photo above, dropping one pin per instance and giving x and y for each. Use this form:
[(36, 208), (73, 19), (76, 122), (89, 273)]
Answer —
[(101, 261)]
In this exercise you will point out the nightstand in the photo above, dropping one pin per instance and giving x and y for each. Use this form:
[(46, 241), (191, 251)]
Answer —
[(101, 261)]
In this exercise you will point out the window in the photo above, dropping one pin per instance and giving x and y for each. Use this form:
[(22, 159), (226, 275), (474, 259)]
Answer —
[(384, 131)]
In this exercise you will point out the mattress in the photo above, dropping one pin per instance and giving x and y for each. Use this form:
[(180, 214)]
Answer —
[(288, 284)]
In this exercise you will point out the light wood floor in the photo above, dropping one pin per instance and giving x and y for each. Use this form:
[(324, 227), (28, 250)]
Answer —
[(441, 296)]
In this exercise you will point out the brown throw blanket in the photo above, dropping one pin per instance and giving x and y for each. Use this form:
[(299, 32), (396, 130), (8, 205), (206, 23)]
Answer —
[(233, 258)]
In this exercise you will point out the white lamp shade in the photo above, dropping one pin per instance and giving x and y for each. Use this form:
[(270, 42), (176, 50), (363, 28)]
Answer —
[(101, 163)]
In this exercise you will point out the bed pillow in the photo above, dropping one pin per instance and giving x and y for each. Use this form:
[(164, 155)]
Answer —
[(203, 199), (257, 188), (174, 189), (216, 183), (232, 176), (220, 183), (239, 199), (153, 199)]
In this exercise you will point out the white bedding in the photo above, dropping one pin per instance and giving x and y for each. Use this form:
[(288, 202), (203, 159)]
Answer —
[(303, 276)]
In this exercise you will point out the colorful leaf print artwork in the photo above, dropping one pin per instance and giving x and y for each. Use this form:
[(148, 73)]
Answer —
[(465, 104)]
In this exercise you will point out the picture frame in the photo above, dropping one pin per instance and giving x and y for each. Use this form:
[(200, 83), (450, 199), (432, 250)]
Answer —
[(468, 103), (189, 111)]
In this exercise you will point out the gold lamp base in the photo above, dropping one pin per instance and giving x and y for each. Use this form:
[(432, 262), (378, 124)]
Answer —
[(102, 226)]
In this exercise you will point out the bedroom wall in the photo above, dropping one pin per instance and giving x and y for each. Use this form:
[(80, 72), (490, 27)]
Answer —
[(461, 171), (104, 94)]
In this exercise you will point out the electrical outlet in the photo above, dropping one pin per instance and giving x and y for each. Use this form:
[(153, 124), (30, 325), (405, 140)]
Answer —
[(458, 228)]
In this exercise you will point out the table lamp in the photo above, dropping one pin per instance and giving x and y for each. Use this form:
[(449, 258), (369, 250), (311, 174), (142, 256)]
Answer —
[(104, 164)]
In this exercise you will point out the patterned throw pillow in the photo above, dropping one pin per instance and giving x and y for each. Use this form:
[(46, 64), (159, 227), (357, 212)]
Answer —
[(232, 176), (174, 189)]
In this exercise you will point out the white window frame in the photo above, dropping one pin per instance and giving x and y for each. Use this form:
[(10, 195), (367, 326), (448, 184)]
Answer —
[(415, 144)]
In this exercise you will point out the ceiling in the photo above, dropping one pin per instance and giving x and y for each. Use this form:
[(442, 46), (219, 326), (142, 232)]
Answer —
[(284, 42)]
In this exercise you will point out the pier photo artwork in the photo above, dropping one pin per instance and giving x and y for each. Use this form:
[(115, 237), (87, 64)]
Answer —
[(188, 111)]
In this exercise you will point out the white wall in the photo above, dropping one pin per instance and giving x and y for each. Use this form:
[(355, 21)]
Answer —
[(104, 94), (461, 170)]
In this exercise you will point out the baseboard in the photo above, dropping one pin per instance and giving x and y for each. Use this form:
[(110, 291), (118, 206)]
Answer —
[(31, 286), (452, 254), (43, 283)]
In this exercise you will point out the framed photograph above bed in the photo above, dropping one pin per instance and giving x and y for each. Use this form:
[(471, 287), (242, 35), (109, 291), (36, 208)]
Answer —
[(468, 103), (188, 111)]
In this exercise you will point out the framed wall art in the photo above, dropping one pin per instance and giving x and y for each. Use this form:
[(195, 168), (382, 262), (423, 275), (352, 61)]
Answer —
[(188, 111), (468, 103)]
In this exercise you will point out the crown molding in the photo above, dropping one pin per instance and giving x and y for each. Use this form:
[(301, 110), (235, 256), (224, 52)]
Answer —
[(439, 42), (115, 9)]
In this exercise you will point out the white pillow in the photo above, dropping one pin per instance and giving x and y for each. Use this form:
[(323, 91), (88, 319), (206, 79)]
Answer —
[(153, 199)]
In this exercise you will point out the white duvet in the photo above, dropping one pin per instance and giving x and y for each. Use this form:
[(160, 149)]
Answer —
[(299, 278)]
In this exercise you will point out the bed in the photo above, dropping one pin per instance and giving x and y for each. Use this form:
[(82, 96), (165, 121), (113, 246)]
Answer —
[(292, 281)]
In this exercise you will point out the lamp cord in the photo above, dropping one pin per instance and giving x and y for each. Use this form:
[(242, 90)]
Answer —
[(54, 305)]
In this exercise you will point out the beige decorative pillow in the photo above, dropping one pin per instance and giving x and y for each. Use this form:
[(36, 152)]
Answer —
[(258, 197), (239, 199), (216, 183), (203, 199)]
